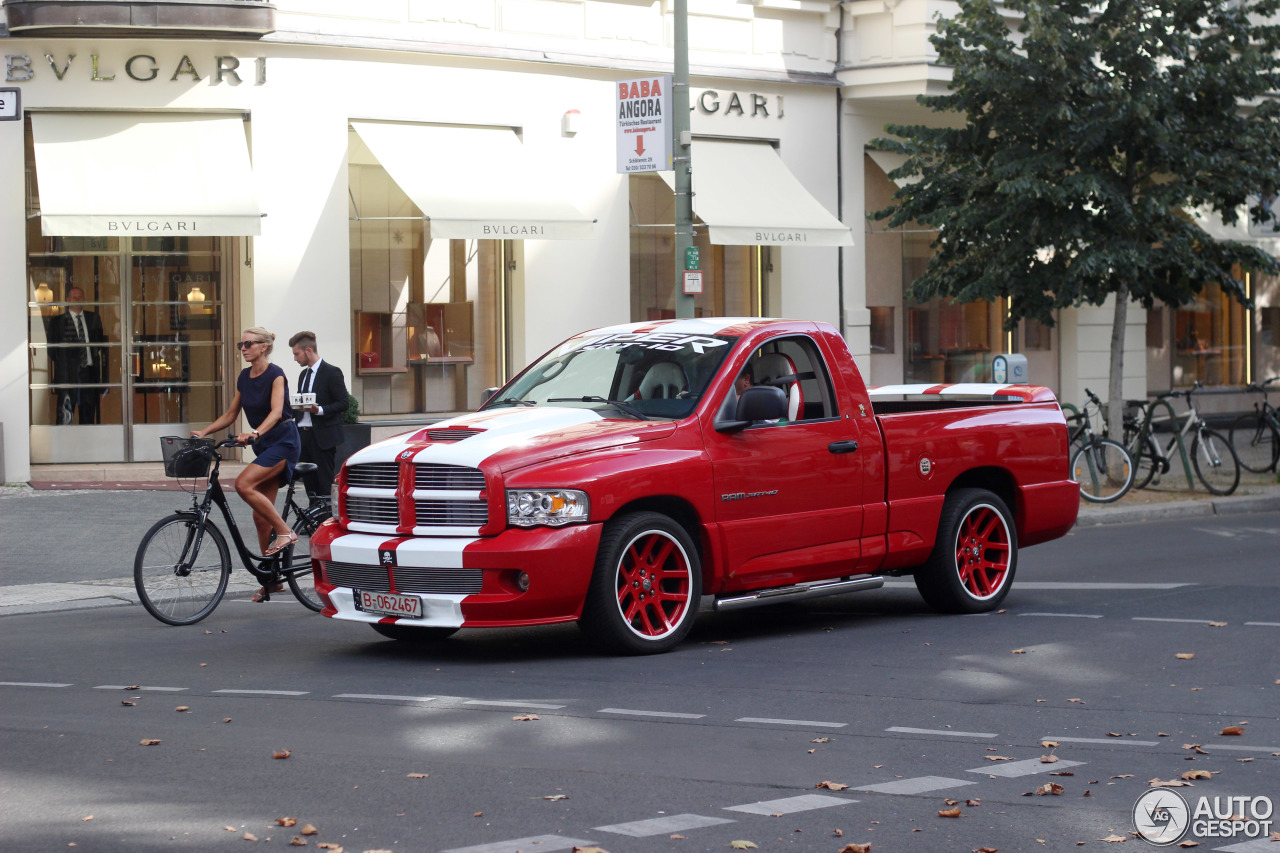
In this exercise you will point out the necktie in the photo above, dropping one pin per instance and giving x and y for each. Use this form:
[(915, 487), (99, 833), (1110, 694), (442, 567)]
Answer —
[(306, 381), (87, 358)]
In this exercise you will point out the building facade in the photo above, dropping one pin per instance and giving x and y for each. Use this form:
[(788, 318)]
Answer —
[(432, 186)]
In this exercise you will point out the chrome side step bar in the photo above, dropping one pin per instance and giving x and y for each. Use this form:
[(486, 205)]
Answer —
[(800, 591)]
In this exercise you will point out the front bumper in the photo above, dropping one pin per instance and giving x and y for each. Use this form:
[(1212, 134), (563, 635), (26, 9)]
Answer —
[(558, 561)]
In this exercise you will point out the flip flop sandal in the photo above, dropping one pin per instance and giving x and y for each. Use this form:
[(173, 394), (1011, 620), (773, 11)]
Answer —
[(280, 541)]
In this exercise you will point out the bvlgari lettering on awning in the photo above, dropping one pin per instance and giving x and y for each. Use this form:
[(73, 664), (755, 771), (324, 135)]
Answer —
[(499, 230), (709, 101), (772, 238), (19, 68), (134, 226)]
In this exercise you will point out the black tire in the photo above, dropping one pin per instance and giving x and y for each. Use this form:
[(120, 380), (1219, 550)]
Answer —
[(646, 585), (975, 556), (1146, 461), (302, 582), (1104, 471), (1255, 442), (411, 634), (1215, 462), (181, 598)]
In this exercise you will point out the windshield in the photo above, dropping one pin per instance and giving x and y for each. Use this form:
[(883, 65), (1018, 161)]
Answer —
[(638, 375)]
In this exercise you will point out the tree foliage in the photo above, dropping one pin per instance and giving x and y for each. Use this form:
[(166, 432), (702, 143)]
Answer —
[(1091, 132)]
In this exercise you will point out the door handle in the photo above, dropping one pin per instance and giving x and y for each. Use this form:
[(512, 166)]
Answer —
[(842, 446)]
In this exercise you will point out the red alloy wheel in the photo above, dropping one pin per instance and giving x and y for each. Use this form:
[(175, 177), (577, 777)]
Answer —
[(982, 551), (653, 584)]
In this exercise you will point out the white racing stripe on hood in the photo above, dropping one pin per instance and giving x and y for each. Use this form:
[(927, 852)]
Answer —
[(692, 326)]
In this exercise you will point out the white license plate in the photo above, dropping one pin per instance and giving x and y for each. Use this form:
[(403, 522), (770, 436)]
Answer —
[(389, 604)]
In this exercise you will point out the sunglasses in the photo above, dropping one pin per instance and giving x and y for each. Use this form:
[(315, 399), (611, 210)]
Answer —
[(244, 345)]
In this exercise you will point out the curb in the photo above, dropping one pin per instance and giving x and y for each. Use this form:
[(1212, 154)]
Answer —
[(1179, 509)]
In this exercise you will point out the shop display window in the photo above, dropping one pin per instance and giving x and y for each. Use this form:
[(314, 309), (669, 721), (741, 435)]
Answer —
[(442, 332), (1209, 340), (881, 330)]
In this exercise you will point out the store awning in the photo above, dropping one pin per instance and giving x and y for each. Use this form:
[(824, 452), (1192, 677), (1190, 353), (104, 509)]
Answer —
[(748, 197), (474, 182), (127, 175), (890, 160)]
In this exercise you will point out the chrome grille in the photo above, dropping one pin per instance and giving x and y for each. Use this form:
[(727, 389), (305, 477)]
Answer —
[(433, 513), (373, 510), (451, 434), (448, 477), (376, 475), (408, 578)]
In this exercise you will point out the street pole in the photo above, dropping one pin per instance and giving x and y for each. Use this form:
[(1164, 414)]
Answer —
[(681, 147)]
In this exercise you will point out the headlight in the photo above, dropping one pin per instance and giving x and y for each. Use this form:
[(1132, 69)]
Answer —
[(333, 498), (554, 507)]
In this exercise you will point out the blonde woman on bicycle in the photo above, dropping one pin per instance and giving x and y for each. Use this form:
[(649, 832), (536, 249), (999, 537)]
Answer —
[(262, 392)]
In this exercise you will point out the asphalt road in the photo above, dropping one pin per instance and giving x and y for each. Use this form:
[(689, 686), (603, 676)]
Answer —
[(722, 740)]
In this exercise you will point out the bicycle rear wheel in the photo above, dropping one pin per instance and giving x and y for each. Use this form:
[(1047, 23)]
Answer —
[(1255, 442), (302, 582), (171, 593), (1103, 469), (1146, 461), (1215, 462)]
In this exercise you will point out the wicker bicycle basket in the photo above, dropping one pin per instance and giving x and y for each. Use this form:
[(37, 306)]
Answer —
[(186, 457)]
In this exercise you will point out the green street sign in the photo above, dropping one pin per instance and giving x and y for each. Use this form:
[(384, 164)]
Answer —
[(691, 258)]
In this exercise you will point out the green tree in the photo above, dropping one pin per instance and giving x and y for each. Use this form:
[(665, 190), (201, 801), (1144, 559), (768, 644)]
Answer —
[(1075, 146)]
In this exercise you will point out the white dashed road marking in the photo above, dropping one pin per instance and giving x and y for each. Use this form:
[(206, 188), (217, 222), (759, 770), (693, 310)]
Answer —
[(503, 704), (671, 714), (1111, 741), (1245, 748), (1161, 619), (1265, 624), (918, 785), (662, 825), (772, 721), (379, 697), (1028, 767), (31, 684), (1067, 615), (523, 845), (910, 731), (791, 805), (1065, 585), (129, 687), (265, 692)]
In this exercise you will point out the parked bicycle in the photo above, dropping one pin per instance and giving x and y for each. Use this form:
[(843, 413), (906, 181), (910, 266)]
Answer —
[(1210, 453), (183, 564), (1256, 436), (1101, 466)]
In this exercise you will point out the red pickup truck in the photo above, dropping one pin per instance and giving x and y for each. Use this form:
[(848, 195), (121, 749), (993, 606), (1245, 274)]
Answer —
[(635, 470)]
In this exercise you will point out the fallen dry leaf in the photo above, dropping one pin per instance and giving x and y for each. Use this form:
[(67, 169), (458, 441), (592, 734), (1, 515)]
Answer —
[(1123, 776), (1019, 651), (149, 741), (229, 828), (418, 775), (832, 786), (1217, 624), (1063, 773), (992, 849), (742, 845), (556, 797), (88, 817), (1189, 844), (811, 751), (1113, 838), (1050, 788), (1200, 774), (226, 719), (997, 758), (1172, 783), (249, 836), (838, 833), (287, 821), (1185, 655), (308, 830), (1077, 701), (974, 802), (676, 837), (1161, 734), (575, 850), (1232, 730), (281, 753), (1048, 759), (525, 718), (1244, 760), (856, 848), (297, 841), (329, 845), (181, 708), (128, 703), (1049, 744), (478, 814), (1114, 734), (951, 812), (820, 740)]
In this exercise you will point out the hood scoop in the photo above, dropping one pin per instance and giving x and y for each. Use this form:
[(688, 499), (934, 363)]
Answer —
[(449, 434)]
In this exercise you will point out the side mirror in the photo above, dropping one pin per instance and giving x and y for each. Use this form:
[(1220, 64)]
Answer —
[(486, 395), (757, 403)]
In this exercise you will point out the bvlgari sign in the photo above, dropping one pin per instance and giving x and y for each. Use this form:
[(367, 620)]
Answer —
[(141, 67)]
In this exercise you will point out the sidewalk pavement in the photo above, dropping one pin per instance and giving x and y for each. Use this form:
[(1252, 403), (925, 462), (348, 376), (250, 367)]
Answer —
[(68, 545)]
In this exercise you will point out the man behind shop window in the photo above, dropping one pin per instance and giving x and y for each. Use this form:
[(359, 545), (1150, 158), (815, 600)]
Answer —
[(81, 362), (319, 424)]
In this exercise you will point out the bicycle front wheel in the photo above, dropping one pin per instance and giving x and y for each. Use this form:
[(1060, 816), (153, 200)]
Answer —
[(1255, 442), (175, 585), (298, 556), (1103, 469), (1146, 460), (1215, 462)]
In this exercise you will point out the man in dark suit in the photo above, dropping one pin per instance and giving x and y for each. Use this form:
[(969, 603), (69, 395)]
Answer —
[(81, 362), (320, 425)]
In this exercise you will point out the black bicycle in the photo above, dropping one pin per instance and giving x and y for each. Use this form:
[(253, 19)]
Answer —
[(1256, 436), (1101, 466), (183, 564)]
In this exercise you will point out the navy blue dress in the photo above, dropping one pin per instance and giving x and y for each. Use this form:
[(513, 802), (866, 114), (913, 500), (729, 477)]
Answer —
[(282, 443)]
